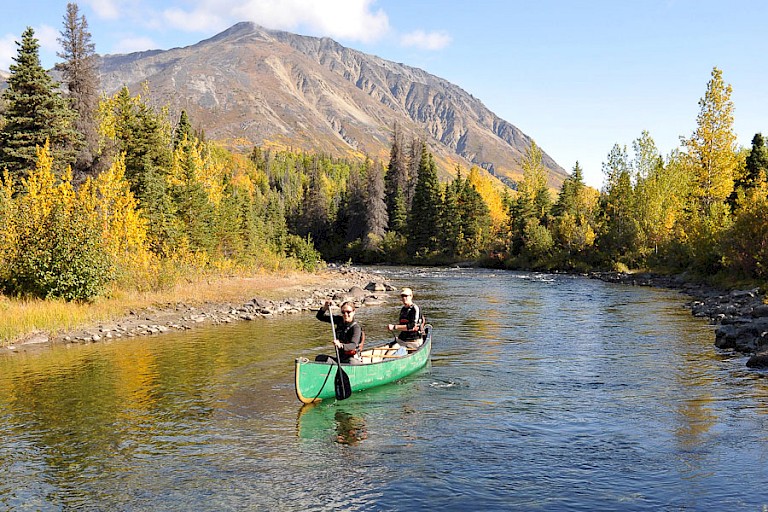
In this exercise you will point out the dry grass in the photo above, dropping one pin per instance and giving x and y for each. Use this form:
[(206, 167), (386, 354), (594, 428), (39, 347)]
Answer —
[(21, 319)]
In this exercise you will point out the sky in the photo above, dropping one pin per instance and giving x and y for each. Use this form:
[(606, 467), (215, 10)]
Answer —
[(577, 76)]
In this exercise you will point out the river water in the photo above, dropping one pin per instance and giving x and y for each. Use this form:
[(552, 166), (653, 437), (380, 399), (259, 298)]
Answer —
[(543, 393)]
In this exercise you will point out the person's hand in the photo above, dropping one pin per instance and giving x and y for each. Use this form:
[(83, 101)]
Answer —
[(327, 304), (338, 343), (391, 327)]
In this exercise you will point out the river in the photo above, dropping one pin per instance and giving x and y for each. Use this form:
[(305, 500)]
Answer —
[(544, 392)]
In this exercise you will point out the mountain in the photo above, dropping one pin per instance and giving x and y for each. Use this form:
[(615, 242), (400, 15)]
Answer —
[(250, 85)]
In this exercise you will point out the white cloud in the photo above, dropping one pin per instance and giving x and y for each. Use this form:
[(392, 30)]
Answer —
[(201, 19), (426, 41), (47, 37), (105, 9), (355, 20), (8, 50)]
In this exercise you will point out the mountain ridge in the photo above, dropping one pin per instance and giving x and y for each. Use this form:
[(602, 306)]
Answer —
[(249, 85)]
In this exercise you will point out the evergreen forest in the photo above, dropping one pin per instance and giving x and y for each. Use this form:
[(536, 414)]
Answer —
[(99, 192)]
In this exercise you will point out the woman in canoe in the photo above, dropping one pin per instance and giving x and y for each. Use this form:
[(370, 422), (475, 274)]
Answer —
[(349, 333)]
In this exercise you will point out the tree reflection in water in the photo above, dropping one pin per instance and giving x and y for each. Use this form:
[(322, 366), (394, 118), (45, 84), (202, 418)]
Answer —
[(349, 429)]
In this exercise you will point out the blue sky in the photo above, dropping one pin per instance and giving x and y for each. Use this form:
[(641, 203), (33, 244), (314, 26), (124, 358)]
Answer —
[(578, 77)]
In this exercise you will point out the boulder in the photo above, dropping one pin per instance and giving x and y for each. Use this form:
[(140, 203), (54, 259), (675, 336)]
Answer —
[(376, 287)]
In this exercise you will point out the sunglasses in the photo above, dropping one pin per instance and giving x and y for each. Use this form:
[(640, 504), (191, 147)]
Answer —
[(347, 312), (404, 295)]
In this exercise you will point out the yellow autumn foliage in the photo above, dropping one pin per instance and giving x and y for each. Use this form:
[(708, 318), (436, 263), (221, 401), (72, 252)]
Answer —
[(491, 192), (124, 230)]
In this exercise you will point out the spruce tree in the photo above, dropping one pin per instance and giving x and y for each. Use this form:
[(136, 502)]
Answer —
[(183, 130), (424, 219), (35, 113), (376, 216), (356, 201), (450, 225), (80, 74), (756, 163), (396, 183), (475, 221), (618, 237)]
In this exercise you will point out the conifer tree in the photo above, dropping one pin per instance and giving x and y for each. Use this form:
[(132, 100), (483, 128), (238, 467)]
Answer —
[(424, 218), (376, 215), (80, 75), (35, 113), (756, 163), (617, 238), (134, 128), (475, 221), (195, 212), (573, 223), (451, 219), (356, 200), (413, 158), (396, 184), (533, 202), (183, 130)]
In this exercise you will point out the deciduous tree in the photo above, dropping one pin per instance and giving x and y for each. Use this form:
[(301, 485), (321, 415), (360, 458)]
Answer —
[(712, 146)]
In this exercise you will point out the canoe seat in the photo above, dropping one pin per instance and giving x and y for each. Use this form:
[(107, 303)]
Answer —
[(376, 355)]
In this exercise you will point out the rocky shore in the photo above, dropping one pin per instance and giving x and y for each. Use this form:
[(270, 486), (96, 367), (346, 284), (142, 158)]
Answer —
[(343, 283), (741, 316)]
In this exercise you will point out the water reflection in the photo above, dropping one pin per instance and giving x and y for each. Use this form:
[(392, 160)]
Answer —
[(326, 421), (544, 392)]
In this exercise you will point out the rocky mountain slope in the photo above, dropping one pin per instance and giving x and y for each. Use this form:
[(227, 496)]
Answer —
[(252, 86)]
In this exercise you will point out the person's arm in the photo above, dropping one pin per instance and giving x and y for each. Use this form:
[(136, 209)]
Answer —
[(355, 333), (322, 316)]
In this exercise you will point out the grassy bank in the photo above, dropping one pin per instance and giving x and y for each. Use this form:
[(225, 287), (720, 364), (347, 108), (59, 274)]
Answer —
[(21, 319)]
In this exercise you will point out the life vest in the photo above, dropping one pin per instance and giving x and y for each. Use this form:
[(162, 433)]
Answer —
[(420, 321), (362, 339)]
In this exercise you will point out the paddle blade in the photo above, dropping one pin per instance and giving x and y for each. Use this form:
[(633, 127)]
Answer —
[(341, 384)]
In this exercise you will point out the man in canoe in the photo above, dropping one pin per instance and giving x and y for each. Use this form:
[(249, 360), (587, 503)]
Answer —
[(410, 323), (349, 333)]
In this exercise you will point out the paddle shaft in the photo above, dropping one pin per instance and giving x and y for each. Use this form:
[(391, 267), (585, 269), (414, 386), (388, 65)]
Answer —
[(341, 382)]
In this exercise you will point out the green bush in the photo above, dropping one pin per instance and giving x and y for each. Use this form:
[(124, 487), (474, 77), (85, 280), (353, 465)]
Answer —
[(304, 252), (61, 258)]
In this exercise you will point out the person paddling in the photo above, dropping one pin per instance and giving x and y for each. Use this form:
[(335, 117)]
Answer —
[(349, 333)]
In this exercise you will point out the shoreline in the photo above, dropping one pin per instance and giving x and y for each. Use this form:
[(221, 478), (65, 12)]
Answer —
[(740, 316), (307, 292)]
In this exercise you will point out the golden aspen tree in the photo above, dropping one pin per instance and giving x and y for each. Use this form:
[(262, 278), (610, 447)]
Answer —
[(712, 147), (493, 197)]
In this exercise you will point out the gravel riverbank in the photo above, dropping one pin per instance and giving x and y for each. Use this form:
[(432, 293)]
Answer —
[(340, 283)]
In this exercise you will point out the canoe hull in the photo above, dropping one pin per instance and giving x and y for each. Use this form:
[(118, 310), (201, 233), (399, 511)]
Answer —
[(314, 380)]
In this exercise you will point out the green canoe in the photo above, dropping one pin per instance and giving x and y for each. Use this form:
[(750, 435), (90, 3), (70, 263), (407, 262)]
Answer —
[(314, 380)]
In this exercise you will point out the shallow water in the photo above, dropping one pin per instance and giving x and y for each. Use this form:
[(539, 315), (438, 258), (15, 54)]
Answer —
[(544, 393)]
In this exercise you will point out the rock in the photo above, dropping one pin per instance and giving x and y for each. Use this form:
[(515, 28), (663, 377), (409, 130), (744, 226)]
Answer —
[(376, 287), (357, 292), (758, 361), (36, 338)]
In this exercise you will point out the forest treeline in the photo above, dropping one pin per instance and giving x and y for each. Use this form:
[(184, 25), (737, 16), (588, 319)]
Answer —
[(101, 191)]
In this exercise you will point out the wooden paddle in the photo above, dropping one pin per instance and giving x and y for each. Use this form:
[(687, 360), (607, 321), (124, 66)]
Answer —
[(341, 383)]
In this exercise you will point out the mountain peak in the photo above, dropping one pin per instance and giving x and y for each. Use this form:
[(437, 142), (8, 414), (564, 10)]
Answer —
[(249, 84)]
